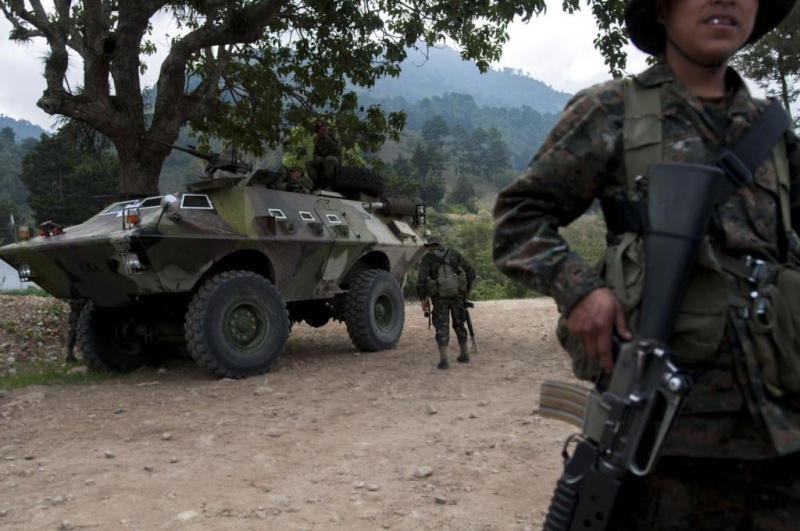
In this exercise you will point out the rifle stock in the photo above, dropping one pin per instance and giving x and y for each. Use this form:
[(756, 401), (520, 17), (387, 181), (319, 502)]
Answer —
[(467, 305), (625, 424)]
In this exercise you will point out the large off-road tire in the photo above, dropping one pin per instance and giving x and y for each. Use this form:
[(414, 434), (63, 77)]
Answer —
[(237, 324), (374, 311), (353, 179), (113, 339)]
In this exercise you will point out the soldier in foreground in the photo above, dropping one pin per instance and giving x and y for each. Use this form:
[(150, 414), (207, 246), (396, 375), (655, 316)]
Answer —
[(730, 460), (327, 156), (446, 278)]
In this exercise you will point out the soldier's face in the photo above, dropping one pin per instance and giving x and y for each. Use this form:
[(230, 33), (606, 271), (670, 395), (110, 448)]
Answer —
[(294, 175), (707, 31)]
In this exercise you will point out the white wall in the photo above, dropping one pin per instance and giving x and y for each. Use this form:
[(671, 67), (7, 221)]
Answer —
[(9, 279)]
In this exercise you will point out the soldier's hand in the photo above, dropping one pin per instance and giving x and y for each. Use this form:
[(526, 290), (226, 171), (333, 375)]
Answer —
[(594, 319), (425, 306)]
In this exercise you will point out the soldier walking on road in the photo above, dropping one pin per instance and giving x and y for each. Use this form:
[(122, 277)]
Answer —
[(446, 278)]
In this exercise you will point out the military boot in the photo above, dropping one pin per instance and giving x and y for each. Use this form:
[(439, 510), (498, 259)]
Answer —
[(443, 364), (463, 357)]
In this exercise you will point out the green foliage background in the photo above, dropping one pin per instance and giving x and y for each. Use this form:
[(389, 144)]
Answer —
[(471, 235)]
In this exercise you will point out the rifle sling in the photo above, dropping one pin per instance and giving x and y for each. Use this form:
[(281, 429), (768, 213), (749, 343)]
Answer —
[(738, 161)]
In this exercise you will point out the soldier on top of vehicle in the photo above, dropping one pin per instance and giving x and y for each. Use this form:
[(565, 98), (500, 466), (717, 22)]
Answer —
[(293, 179), (326, 157)]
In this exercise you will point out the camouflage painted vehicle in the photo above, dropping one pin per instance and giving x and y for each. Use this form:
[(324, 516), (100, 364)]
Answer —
[(225, 267)]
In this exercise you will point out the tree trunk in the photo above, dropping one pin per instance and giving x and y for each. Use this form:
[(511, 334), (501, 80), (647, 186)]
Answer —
[(139, 165)]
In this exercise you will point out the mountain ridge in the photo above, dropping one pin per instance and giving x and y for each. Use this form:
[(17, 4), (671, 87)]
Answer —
[(442, 70)]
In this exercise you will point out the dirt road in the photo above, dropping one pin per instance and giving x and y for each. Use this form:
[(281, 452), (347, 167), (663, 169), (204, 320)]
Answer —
[(331, 439)]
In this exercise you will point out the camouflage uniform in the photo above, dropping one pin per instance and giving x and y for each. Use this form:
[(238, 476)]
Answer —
[(727, 423), (75, 308), (302, 184), (327, 156), (442, 309)]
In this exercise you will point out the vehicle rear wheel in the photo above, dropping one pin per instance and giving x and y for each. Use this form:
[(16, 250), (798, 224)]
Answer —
[(374, 311), (114, 339), (237, 324)]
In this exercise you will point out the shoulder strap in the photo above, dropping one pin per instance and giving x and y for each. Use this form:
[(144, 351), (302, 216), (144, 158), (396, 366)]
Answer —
[(642, 144), (641, 138), (740, 160)]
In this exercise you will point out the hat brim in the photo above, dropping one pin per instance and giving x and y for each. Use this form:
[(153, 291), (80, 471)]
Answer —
[(647, 34)]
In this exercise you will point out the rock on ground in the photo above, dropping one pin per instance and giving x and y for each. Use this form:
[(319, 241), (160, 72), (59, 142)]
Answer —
[(331, 439)]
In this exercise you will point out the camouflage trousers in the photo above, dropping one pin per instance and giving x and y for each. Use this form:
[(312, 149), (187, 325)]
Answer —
[(712, 494), (322, 173), (442, 310)]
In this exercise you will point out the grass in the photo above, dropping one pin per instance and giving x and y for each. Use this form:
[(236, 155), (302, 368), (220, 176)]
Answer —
[(28, 375), (34, 291), (39, 373)]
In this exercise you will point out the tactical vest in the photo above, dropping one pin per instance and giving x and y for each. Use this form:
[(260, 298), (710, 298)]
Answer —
[(450, 280), (705, 306)]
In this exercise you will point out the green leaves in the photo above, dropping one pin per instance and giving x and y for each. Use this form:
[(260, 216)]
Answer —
[(774, 61), (247, 71)]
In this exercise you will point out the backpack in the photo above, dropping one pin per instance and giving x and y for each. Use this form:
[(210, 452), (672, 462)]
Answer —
[(450, 280), (701, 320)]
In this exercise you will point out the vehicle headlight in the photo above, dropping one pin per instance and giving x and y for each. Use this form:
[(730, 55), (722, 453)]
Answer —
[(132, 262), (24, 271)]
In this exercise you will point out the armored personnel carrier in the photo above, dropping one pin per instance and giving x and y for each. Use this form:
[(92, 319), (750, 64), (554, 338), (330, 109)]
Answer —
[(226, 266)]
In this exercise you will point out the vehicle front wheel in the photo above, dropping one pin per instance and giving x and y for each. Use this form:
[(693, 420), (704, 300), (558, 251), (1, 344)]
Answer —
[(374, 311), (114, 338), (237, 324)]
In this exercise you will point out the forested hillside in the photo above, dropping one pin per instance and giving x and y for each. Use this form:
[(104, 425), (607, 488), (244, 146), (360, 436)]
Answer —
[(22, 128), (443, 71)]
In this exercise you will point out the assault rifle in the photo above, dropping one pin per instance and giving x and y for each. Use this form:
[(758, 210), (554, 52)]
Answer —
[(467, 305), (626, 422), (428, 313), (229, 160)]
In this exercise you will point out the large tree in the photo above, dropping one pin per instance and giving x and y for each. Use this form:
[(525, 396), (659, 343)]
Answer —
[(774, 61), (67, 177), (242, 70)]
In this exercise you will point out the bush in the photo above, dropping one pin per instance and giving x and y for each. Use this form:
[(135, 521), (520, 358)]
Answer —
[(472, 236)]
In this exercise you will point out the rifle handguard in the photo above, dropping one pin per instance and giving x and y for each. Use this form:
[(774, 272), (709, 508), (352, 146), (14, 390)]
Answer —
[(626, 424)]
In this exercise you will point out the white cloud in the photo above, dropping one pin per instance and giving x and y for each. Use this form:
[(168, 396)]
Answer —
[(557, 48), (22, 82)]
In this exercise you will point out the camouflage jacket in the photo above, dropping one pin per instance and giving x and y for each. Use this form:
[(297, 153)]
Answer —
[(429, 269), (582, 160), (326, 146), (301, 184)]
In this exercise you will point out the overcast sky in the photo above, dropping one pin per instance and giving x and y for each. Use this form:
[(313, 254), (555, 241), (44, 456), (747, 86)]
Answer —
[(555, 48)]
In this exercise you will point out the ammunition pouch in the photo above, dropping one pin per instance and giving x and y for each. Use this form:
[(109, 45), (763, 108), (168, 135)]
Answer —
[(451, 281), (765, 296), (445, 287), (701, 319), (672, 244)]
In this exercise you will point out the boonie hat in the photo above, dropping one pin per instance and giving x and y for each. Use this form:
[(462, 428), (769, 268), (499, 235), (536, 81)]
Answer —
[(648, 34), (433, 239)]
